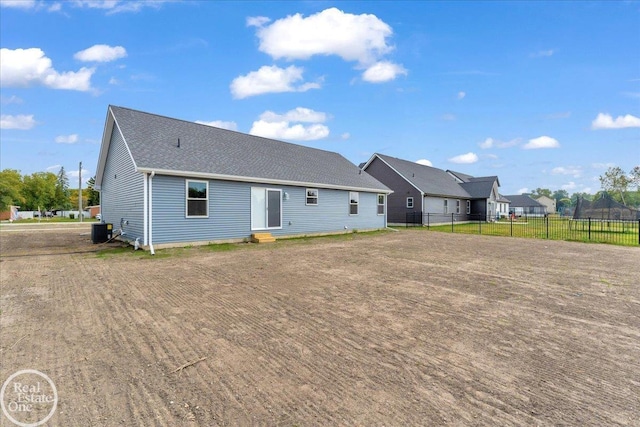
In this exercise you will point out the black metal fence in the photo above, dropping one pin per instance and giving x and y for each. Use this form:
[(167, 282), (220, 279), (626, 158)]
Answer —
[(619, 232)]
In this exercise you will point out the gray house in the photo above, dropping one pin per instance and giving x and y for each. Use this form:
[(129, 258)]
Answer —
[(167, 182), (418, 190), (483, 191), (524, 205)]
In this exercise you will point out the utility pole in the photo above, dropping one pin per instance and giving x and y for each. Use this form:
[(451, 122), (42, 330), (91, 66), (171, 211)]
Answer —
[(80, 191)]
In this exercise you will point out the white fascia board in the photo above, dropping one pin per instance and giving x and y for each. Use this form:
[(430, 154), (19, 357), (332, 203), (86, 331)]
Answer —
[(205, 175), (106, 143)]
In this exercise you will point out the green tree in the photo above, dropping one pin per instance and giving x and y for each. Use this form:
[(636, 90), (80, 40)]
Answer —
[(39, 190), (10, 189), (575, 196), (93, 198), (615, 182), (561, 197), (541, 192), (62, 191)]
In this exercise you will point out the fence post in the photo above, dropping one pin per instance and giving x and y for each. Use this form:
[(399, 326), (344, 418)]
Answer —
[(452, 222), (546, 219), (428, 220), (589, 228), (479, 225), (511, 224), (639, 231)]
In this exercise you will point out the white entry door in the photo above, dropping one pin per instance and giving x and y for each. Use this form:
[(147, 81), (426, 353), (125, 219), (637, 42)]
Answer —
[(266, 208)]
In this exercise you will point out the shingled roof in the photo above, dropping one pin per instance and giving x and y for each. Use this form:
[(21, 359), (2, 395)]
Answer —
[(431, 181), (523, 201), (210, 152)]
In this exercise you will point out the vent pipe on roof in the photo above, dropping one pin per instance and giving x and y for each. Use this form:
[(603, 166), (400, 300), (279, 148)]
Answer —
[(178, 142)]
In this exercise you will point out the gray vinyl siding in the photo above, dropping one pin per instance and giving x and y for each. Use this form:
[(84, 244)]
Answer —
[(397, 201), (122, 192), (230, 212)]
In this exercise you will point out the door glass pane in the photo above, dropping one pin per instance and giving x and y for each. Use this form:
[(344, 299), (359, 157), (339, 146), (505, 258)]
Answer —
[(273, 208), (258, 206)]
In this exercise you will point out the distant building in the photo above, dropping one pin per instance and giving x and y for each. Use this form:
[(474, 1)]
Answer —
[(548, 202)]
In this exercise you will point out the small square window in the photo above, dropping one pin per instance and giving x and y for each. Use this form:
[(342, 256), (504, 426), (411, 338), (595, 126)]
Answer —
[(409, 202), (354, 200), (312, 196)]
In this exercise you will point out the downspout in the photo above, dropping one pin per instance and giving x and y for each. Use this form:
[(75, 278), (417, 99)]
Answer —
[(153, 252)]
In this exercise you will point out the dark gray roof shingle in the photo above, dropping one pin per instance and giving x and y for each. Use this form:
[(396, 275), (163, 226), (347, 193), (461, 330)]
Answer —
[(430, 180), (523, 201), (153, 142)]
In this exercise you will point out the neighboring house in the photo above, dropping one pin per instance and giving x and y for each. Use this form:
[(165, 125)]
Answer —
[(93, 210), (524, 205), (483, 191), (503, 206), (548, 202), (168, 182), (419, 190)]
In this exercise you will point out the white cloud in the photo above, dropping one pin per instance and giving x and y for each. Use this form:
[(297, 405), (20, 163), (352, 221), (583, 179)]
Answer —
[(114, 81), (220, 124), (101, 53), (569, 186), (575, 171), (74, 175), (10, 99), (54, 167), (345, 136), (602, 165), (424, 162), (541, 142), (67, 139), (257, 21), (299, 114), (632, 94), (24, 67), (18, 4), (21, 122), (543, 53), (283, 130), (461, 94), (523, 190), (493, 143), (288, 125), (361, 38), (606, 121), (487, 143), (467, 158), (383, 71), (55, 7), (270, 79), (117, 6)]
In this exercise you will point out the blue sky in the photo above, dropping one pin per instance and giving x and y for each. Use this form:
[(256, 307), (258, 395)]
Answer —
[(542, 94)]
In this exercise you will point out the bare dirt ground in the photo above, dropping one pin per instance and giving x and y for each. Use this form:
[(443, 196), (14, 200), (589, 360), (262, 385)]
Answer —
[(406, 328)]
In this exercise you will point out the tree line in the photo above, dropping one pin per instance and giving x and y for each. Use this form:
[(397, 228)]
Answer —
[(45, 191), (618, 184)]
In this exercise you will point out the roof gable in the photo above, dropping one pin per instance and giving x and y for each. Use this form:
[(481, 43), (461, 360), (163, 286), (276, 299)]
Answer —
[(179, 147), (523, 201), (429, 180)]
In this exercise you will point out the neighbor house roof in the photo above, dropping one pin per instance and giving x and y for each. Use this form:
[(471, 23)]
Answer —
[(523, 201), (210, 152), (429, 180), (479, 189)]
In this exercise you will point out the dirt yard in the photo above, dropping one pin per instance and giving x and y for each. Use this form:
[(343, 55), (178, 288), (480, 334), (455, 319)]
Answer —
[(397, 328)]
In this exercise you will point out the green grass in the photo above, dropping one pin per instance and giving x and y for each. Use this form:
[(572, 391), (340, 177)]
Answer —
[(339, 236), (618, 233), (222, 247), (49, 220)]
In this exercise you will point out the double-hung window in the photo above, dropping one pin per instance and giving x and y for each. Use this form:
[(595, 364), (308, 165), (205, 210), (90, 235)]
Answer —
[(197, 204), (468, 207), (312, 196), (457, 206), (446, 206), (380, 204), (354, 200), (409, 202)]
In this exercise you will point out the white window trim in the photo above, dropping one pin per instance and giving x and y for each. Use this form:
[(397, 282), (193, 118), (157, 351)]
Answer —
[(357, 204), (384, 204), (446, 206), (457, 206), (306, 197), (407, 203), (186, 198), (468, 207)]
